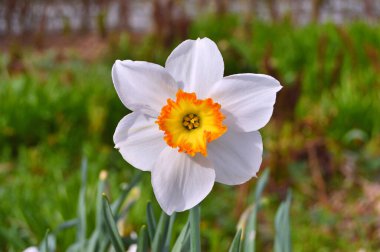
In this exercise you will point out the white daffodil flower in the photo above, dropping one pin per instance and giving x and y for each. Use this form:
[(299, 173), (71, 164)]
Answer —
[(190, 126)]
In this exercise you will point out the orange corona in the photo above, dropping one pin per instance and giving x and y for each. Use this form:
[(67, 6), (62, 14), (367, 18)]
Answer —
[(189, 123)]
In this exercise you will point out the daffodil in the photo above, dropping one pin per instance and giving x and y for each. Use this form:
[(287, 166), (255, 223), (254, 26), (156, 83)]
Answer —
[(190, 126)]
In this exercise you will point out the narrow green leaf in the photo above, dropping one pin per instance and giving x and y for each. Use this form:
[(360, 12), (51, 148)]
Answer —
[(111, 226), (66, 225), (151, 221), (182, 239), (170, 231), (287, 227), (142, 245), (261, 183), (235, 246), (45, 242), (101, 187), (97, 236), (94, 241), (282, 241), (186, 244), (81, 233), (76, 247), (48, 243), (161, 233), (250, 229), (125, 210), (119, 202), (195, 243), (103, 246)]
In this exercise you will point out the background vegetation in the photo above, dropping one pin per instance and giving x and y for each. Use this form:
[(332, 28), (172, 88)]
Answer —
[(58, 105)]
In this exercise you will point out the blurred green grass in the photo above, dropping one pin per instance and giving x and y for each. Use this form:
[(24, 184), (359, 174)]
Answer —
[(57, 108)]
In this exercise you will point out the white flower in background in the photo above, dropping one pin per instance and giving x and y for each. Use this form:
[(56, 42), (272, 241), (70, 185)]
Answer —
[(190, 126), (31, 249)]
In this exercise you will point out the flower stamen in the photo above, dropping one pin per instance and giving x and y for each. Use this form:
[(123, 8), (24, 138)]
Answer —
[(191, 121)]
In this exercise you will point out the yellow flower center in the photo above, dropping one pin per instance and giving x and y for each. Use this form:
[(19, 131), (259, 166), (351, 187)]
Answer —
[(191, 121), (190, 124)]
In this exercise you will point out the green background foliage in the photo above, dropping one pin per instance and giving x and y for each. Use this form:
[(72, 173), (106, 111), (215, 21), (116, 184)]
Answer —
[(323, 141)]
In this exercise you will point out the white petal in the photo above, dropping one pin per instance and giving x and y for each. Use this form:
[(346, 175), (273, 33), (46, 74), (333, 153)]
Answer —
[(196, 65), (181, 182), (139, 140), (246, 99), (236, 156), (142, 85)]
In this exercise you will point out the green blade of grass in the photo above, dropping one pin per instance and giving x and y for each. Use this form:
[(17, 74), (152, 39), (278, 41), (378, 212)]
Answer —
[(235, 245), (49, 242), (119, 202), (250, 229), (143, 242), (75, 247), (81, 233), (97, 237), (182, 239), (195, 243), (111, 226), (151, 221), (261, 184), (101, 186), (66, 225), (282, 226), (125, 210), (170, 231), (93, 241), (103, 246), (161, 233), (44, 247)]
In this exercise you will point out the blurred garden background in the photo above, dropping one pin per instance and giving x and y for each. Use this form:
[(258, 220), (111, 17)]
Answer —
[(58, 105)]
